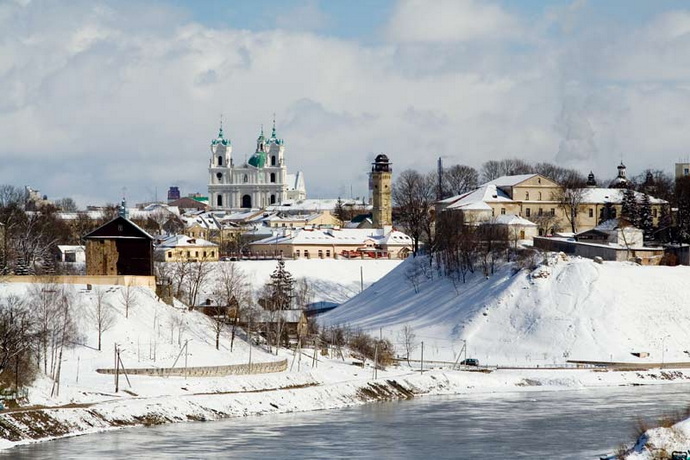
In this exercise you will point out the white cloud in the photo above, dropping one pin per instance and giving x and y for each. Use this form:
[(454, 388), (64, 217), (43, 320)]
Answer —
[(450, 21), (99, 96)]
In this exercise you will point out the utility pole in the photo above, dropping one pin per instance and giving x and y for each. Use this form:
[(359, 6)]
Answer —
[(376, 361), (361, 278), (422, 360)]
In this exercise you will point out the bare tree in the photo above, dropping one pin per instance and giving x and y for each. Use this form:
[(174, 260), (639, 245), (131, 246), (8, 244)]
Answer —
[(570, 197), (197, 279), (128, 297), (101, 314), (304, 293), (413, 197), (459, 179), (44, 303), (19, 336), (408, 339), (493, 169), (231, 294)]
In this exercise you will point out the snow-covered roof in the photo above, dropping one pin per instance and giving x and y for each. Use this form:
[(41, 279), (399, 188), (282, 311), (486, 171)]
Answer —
[(477, 199), (345, 236), (512, 219), (176, 241), (614, 196), (510, 181), (70, 248), (314, 204)]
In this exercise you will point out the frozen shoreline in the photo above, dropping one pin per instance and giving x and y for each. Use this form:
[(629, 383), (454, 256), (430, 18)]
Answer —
[(300, 392)]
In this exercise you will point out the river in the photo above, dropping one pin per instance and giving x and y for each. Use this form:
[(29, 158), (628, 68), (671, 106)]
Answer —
[(577, 425)]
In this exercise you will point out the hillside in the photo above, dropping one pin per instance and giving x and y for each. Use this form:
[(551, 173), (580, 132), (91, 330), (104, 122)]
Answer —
[(566, 309)]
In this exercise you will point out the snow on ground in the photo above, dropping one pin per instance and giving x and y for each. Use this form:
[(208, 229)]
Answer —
[(568, 309), (154, 333)]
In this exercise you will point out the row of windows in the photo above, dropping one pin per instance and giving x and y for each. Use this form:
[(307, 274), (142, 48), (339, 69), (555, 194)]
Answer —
[(245, 178), (189, 254), (273, 160), (320, 253), (538, 197)]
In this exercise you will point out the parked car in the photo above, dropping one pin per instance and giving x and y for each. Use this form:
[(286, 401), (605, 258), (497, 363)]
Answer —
[(470, 362)]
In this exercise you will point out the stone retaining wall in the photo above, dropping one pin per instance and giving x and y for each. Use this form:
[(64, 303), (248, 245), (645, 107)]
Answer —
[(206, 371)]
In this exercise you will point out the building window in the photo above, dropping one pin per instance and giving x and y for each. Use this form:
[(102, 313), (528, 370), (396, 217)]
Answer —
[(187, 253), (220, 160), (541, 212), (526, 195), (591, 212), (273, 201), (245, 179), (213, 253), (196, 253), (539, 198), (273, 160), (273, 178), (493, 212), (654, 214), (320, 254), (306, 253), (169, 255), (328, 253), (297, 253), (204, 254), (503, 211), (219, 200), (553, 211), (528, 212)]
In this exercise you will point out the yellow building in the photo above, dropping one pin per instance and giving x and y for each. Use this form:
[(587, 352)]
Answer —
[(182, 248), (315, 220), (539, 200)]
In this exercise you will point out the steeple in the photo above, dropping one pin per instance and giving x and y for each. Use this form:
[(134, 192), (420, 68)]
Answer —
[(591, 181), (273, 131)]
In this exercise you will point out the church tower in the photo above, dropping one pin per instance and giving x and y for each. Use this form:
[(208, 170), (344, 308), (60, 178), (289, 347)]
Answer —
[(219, 168), (381, 173)]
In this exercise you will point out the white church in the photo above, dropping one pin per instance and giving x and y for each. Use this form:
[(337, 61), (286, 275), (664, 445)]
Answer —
[(256, 183)]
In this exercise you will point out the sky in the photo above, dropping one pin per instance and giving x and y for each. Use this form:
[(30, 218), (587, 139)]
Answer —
[(100, 98)]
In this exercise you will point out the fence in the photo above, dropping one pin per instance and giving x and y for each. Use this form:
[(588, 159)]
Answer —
[(205, 371)]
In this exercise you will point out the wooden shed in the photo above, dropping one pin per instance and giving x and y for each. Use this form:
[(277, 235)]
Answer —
[(119, 247)]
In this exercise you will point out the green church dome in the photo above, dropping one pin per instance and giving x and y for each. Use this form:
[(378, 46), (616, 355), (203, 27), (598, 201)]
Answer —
[(258, 160)]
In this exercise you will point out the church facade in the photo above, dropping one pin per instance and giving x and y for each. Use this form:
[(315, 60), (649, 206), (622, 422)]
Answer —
[(260, 181)]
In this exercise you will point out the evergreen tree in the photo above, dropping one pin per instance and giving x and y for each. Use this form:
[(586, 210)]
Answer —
[(629, 207), (281, 288), (646, 221), (339, 211)]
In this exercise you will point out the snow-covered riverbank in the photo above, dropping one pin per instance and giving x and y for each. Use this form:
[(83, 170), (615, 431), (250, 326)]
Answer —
[(333, 384)]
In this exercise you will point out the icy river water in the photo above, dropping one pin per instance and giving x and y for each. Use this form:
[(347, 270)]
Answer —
[(579, 424)]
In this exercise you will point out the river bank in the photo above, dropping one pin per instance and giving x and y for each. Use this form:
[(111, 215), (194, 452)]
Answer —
[(333, 385)]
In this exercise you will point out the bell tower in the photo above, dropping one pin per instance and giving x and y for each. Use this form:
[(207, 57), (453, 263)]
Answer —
[(381, 173)]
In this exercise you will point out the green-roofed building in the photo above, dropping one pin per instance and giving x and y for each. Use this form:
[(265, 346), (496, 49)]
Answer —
[(259, 181)]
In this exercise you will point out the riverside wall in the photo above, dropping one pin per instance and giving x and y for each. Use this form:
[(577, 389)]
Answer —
[(205, 371)]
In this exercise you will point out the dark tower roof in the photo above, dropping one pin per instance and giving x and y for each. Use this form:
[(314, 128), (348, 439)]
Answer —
[(381, 164), (591, 181)]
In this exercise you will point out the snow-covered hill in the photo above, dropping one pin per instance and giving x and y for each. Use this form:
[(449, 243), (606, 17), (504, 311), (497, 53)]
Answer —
[(567, 309)]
